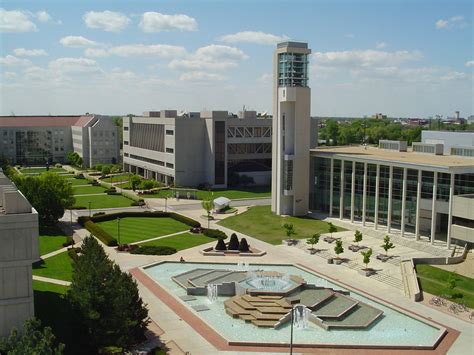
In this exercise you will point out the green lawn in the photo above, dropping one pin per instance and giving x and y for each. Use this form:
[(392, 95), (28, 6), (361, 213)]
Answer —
[(434, 280), (237, 193), (134, 229), (75, 182), (102, 201), (182, 241), (124, 185), (84, 190), (51, 239), (259, 222), (56, 267), (117, 178), (42, 170)]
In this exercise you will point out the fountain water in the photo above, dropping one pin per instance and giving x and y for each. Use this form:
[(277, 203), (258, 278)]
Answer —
[(212, 293), (301, 317)]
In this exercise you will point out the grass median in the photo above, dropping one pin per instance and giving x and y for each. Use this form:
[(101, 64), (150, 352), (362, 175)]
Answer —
[(102, 201)]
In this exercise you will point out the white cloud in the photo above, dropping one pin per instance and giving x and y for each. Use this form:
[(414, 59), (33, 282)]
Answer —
[(451, 23), (211, 57), (154, 50), (381, 45), (11, 60), (265, 78), (106, 20), (157, 22), (77, 42), (43, 16), (200, 76), (454, 75), (349, 35), (9, 74), (365, 58), (23, 52), (96, 52), (253, 37), (469, 63), (74, 65), (15, 21)]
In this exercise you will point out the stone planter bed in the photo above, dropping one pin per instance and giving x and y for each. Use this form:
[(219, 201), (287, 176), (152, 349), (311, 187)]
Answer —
[(356, 248), (367, 272), (383, 258), (330, 239), (212, 252)]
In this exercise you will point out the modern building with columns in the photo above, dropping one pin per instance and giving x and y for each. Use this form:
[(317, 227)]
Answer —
[(396, 190)]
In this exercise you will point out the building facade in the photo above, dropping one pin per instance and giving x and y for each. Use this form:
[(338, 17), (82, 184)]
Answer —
[(291, 129), (35, 140), (395, 190), (453, 142), (19, 249), (209, 147)]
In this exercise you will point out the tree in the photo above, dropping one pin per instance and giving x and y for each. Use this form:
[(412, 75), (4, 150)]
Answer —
[(220, 245), (332, 228), (366, 257), (105, 300), (134, 181), (357, 237), (289, 229), (451, 282), (148, 184), (105, 171), (387, 244), (233, 242), (338, 249), (32, 340), (313, 240), (49, 193), (207, 205), (243, 246)]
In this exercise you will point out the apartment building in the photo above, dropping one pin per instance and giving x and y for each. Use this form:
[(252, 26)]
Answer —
[(213, 147), (19, 249), (34, 140)]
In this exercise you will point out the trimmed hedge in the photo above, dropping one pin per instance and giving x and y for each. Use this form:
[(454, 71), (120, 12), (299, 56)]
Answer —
[(220, 245), (72, 252), (244, 246), (180, 218), (105, 237), (214, 233), (234, 242), (154, 250)]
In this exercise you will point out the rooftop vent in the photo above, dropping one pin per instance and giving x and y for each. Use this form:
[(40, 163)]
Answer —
[(399, 146), (428, 148)]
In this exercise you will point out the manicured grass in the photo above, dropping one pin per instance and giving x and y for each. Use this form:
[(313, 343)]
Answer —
[(51, 239), (434, 280), (259, 222), (181, 241), (134, 229), (102, 201), (75, 182), (124, 185), (117, 178), (42, 170), (56, 267), (84, 190), (237, 193)]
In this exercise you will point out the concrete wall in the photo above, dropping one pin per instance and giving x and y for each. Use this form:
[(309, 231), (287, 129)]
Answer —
[(463, 207), (104, 139)]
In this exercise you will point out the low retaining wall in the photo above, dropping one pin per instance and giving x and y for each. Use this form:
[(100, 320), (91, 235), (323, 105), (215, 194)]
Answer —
[(410, 280), (443, 261)]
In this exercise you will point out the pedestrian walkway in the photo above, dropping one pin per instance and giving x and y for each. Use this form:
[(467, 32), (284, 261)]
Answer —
[(51, 281)]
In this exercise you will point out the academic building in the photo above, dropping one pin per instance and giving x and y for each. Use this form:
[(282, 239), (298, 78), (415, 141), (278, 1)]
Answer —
[(35, 140), (188, 149)]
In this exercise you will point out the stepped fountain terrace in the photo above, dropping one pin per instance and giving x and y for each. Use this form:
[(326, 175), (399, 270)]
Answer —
[(251, 305)]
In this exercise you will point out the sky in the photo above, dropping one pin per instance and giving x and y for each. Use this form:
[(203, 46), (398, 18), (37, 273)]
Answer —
[(401, 58)]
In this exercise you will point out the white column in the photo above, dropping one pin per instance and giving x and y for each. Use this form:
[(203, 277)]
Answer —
[(341, 195), (331, 188), (390, 190), (404, 198), (364, 195), (377, 190), (433, 207), (353, 190), (450, 209), (418, 198)]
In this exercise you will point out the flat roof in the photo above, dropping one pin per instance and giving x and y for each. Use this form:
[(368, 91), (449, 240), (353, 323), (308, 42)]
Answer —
[(377, 155), (44, 121)]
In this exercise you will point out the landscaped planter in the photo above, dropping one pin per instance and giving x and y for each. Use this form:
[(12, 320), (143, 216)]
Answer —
[(212, 252), (383, 258), (330, 261), (313, 251), (356, 248), (367, 272)]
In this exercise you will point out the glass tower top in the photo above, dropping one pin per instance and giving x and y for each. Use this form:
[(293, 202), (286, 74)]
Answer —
[(293, 69)]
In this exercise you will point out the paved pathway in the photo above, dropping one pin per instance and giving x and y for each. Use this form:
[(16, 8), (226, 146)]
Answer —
[(161, 237), (51, 281)]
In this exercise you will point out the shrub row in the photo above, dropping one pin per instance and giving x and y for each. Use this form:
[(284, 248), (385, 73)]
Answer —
[(105, 237), (180, 218), (214, 233), (154, 250)]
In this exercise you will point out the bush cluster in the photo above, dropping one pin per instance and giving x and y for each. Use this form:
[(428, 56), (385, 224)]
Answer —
[(234, 244), (69, 241), (214, 233), (154, 250)]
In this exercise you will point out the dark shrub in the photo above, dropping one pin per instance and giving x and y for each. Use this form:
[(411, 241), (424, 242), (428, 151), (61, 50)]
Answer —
[(72, 252), (82, 219), (138, 203), (214, 233), (98, 214), (79, 176), (234, 242), (112, 189), (95, 183), (114, 193), (221, 245), (154, 250), (243, 246), (69, 241), (105, 237)]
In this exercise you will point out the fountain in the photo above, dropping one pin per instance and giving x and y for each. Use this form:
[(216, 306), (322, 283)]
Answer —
[(212, 293), (301, 316), (268, 282)]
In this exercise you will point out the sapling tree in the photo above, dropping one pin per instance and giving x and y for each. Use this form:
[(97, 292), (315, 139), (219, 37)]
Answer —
[(357, 237), (207, 205), (313, 240), (387, 244), (338, 249), (332, 228), (366, 257), (289, 229), (134, 181)]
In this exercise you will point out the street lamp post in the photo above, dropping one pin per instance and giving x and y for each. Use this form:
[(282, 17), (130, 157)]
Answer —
[(89, 208), (118, 228)]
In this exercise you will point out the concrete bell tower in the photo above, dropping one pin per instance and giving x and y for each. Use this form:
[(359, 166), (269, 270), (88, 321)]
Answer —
[(291, 129)]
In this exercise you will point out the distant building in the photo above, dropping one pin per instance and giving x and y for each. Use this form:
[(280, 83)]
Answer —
[(33, 140), (470, 119), (450, 140), (19, 249), (213, 147), (417, 122), (379, 116)]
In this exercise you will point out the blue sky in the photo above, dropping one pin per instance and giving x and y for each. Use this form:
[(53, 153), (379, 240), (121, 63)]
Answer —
[(402, 58)]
